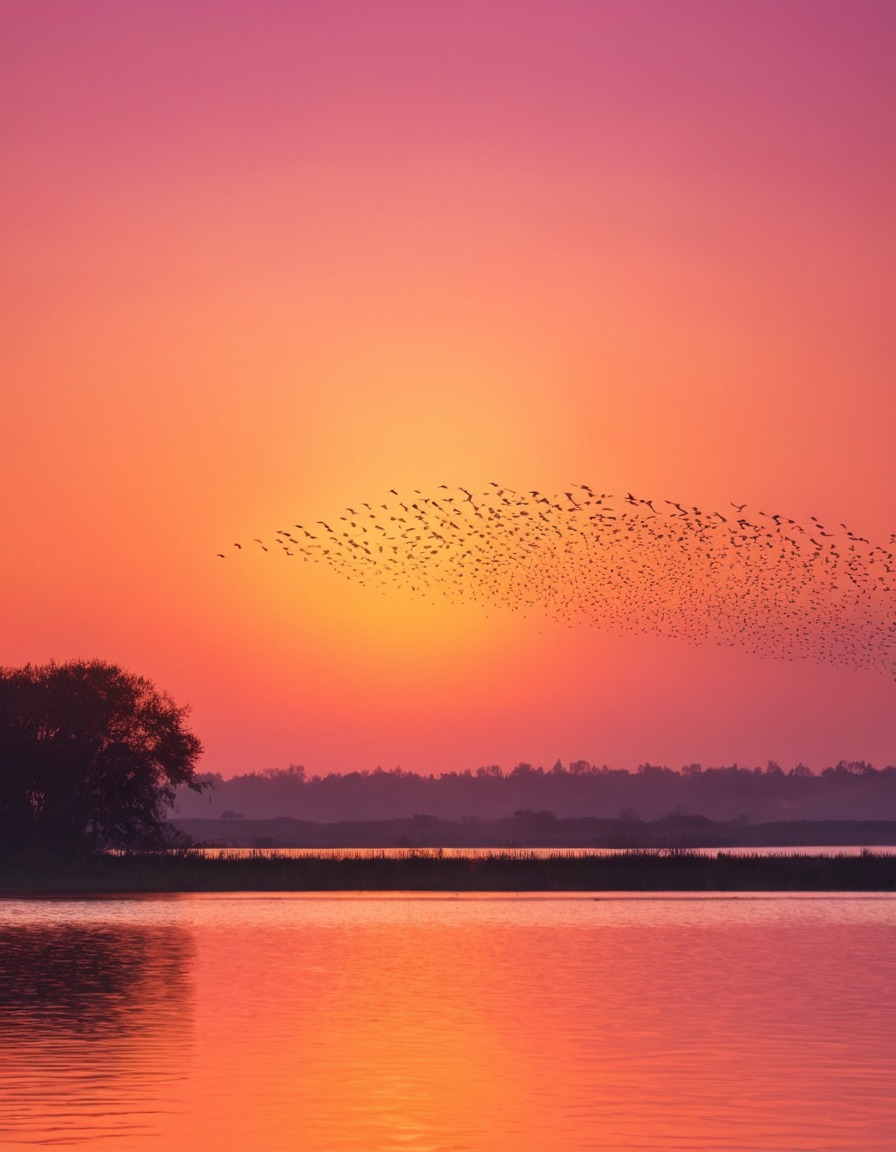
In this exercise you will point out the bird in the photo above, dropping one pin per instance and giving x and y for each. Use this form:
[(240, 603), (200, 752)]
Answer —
[(777, 588)]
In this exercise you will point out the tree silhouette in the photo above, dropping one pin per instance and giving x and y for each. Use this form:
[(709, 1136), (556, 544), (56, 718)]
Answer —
[(90, 758)]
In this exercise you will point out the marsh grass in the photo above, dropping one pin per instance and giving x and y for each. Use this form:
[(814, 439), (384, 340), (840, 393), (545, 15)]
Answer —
[(514, 870)]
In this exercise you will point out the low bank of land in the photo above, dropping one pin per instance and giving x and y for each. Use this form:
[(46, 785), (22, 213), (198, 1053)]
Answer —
[(514, 871), (535, 830)]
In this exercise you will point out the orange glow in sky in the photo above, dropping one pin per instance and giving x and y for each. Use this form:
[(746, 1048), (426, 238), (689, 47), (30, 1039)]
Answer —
[(263, 261)]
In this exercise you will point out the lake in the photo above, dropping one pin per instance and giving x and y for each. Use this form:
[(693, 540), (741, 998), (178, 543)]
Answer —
[(416, 1023)]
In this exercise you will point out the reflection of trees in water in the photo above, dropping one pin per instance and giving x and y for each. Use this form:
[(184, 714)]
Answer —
[(95, 1022), (95, 982)]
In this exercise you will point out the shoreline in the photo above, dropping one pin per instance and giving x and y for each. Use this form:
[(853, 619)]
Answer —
[(533, 830), (638, 871)]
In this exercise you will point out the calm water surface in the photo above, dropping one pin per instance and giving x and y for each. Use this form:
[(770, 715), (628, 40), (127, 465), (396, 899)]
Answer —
[(417, 1023)]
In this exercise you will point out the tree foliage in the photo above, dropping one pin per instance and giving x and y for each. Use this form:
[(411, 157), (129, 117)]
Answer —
[(90, 758)]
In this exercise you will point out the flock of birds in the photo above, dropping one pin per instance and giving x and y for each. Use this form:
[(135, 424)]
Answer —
[(757, 580)]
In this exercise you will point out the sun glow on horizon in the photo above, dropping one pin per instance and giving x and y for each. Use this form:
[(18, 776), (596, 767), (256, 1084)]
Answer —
[(262, 264)]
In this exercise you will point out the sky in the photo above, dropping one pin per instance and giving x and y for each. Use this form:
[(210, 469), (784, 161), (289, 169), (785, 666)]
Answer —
[(265, 261)]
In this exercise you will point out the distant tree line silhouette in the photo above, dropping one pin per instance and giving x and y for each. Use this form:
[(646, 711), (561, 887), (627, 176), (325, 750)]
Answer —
[(848, 790)]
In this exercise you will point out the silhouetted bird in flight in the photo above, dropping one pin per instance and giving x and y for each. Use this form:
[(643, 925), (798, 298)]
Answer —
[(766, 584)]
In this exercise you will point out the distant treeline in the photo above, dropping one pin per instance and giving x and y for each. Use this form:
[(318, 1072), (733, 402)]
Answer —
[(848, 790)]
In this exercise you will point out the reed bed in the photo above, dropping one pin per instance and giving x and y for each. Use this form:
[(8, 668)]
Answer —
[(513, 870)]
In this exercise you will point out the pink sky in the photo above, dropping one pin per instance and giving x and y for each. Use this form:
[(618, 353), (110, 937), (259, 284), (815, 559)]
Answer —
[(266, 260)]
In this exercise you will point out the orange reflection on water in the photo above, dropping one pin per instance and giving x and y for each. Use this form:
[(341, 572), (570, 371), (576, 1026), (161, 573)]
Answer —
[(424, 1022), (95, 1030), (374, 1034)]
